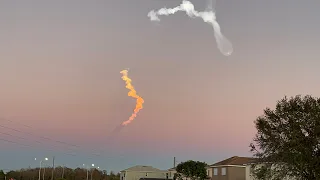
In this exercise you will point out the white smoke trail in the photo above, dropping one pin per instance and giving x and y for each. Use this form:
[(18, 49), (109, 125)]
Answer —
[(209, 5), (224, 45)]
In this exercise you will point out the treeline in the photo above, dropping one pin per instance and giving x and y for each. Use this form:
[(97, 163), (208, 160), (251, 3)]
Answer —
[(59, 173)]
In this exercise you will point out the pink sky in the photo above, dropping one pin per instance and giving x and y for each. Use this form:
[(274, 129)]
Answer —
[(60, 64)]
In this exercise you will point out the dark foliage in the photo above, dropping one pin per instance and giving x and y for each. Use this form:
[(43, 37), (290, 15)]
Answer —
[(288, 139), (67, 173), (191, 169)]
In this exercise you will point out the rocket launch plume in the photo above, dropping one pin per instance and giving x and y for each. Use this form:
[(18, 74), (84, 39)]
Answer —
[(131, 93), (224, 45)]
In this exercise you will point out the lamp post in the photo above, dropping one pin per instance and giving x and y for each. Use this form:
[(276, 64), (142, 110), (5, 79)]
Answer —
[(45, 159), (98, 170), (5, 171), (63, 171), (44, 172), (87, 170), (92, 170)]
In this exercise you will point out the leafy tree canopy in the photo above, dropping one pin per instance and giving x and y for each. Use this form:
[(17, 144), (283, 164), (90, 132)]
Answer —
[(192, 169), (2, 175), (288, 139)]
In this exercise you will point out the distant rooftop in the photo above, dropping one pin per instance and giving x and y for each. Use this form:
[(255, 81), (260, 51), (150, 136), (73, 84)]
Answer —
[(235, 160), (152, 178), (142, 168)]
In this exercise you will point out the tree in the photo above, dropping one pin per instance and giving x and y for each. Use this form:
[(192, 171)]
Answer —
[(2, 175), (288, 140), (69, 174), (191, 169)]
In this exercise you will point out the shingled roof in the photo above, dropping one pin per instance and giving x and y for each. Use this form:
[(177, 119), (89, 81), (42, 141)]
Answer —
[(142, 169), (235, 160)]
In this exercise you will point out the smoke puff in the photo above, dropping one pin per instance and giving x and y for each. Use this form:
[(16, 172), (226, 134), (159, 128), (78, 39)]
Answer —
[(224, 45)]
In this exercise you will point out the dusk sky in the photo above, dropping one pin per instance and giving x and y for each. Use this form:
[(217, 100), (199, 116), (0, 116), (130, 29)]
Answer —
[(60, 75)]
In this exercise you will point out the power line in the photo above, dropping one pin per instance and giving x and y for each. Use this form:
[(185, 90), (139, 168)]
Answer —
[(42, 137), (14, 142), (21, 144), (20, 132), (26, 145), (21, 138), (52, 146), (50, 139), (45, 138), (93, 152)]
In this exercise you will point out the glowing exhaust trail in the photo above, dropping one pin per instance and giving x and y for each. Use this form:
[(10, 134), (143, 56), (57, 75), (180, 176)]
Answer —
[(131, 93)]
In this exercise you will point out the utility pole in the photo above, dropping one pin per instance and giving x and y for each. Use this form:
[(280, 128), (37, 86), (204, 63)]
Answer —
[(44, 172), (87, 173), (63, 172), (52, 168)]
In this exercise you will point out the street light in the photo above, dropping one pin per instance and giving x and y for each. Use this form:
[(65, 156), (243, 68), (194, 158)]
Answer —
[(63, 170), (92, 170), (45, 159), (87, 170)]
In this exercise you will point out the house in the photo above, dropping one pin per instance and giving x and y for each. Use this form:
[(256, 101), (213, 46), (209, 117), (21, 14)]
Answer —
[(171, 173), (233, 168), (144, 172)]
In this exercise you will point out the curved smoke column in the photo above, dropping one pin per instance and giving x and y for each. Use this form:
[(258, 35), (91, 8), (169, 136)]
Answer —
[(132, 93), (224, 45)]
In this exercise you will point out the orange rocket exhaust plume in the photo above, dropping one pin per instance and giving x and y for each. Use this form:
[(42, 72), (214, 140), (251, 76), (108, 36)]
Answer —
[(131, 93)]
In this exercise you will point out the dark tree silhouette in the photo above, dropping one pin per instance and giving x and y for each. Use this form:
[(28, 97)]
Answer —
[(69, 174), (287, 143), (191, 169), (2, 175)]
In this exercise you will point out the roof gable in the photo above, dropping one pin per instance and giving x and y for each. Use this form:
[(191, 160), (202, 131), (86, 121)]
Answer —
[(142, 168), (235, 160)]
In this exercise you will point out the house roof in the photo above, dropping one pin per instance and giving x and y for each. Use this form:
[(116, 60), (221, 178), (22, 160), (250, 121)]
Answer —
[(235, 160), (142, 168)]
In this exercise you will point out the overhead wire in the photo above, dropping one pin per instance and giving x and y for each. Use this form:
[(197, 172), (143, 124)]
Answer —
[(7, 134), (42, 137), (26, 145)]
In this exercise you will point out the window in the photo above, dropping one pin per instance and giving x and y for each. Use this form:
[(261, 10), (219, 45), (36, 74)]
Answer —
[(208, 172), (167, 174), (223, 171), (215, 171), (146, 174), (124, 174), (170, 174)]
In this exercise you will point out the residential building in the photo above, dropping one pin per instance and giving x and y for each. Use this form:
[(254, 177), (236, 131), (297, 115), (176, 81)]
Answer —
[(171, 173), (137, 172), (234, 168)]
